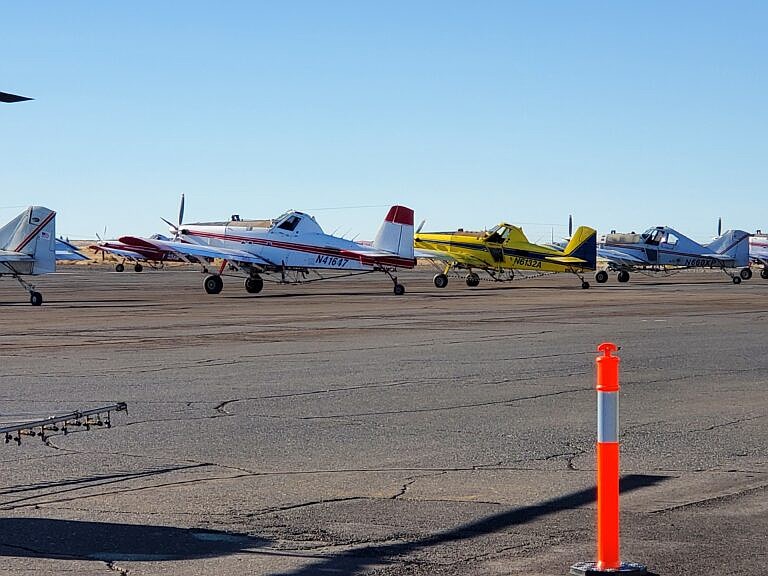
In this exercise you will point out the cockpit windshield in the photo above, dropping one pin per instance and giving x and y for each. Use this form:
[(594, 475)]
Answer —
[(653, 236), (498, 234)]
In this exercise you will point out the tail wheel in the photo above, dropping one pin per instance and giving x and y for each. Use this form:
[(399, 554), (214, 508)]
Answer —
[(254, 285), (138, 267), (35, 298), (584, 285), (764, 273), (399, 289), (737, 280), (440, 280), (213, 284), (473, 280), (119, 268), (623, 276), (601, 277), (745, 273)]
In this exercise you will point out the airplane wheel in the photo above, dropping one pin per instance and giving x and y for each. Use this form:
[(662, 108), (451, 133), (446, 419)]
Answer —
[(764, 273), (35, 298), (440, 280), (745, 273), (213, 284), (119, 268), (473, 280), (138, 267), (623, 276), (601, 277), (254, 284), (584, 285), (736, 280), (399, 289)]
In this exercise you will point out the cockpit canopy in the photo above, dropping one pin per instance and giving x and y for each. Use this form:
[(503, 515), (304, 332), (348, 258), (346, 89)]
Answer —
[(503, 232), (659, 235), (297, 222)]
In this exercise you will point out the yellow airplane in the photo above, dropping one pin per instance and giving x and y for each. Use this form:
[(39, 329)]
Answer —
[(502, 250)]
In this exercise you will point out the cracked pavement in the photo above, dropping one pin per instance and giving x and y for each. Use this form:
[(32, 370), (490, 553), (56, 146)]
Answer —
[(335, 428)]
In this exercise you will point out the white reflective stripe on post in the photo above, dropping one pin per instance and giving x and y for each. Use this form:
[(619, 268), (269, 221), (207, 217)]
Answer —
[(607, 416)]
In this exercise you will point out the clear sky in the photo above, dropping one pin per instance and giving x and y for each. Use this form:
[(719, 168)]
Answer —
[(625, 114)]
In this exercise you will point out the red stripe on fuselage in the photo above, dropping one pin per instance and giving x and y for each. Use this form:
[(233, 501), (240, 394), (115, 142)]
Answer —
[(34, 232), (309, 249)]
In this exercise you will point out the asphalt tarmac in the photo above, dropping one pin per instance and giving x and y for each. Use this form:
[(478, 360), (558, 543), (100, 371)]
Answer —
[(335, 428)]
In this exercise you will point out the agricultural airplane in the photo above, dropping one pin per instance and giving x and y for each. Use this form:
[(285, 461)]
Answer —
[(664, 250), (28, 247), (502, 250), (292, 247), (136, 250), (758, 252)]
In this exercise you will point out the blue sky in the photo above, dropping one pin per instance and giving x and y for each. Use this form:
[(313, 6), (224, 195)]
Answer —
[(624, 114)]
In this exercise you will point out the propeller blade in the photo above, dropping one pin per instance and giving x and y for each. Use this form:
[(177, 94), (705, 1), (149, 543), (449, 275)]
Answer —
[(570, 226), (171, 224), (719, 226), (181, 210), (421, 225)]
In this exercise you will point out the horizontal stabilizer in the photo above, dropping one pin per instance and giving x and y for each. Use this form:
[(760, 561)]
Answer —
[(566, 259)]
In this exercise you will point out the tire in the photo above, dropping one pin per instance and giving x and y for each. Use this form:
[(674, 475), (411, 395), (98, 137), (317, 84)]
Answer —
[(138, 267), (399, 289), (119, 268), (601, 277), (623, 276), (254, 285), (213, 284), (584, 285), (35, 298), (737, 279), (440, 280), (764, 273), (473, 280), (745, 273)]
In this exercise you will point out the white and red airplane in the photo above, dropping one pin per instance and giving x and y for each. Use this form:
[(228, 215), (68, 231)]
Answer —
[(293, 249), (28, 247)]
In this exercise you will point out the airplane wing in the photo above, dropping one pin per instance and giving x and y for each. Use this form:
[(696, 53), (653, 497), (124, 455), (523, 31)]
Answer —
[(67, 251), (210, 252), (618, 257), (446, 257), (565, 259), (120, 252), (9, 256)]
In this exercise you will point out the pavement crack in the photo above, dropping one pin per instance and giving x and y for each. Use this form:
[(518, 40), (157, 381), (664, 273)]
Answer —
[(729, 423)]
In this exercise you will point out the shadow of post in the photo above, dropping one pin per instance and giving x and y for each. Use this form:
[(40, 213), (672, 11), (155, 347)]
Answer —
[(357, 560)]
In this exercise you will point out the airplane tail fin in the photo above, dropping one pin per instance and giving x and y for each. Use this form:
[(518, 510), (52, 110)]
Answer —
[(33, 232), (734, 244), (396, 232), (583, 244)]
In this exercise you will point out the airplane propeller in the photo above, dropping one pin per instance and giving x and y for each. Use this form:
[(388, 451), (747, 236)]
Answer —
[(719, 226), (177, 227), (570, 225), (421, 225)]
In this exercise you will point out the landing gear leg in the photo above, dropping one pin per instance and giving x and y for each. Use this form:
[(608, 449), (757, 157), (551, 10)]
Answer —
[(399, 289), (580, 276), (35, 298)]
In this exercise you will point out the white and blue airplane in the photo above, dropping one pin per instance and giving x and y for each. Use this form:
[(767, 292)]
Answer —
[(664, 250)]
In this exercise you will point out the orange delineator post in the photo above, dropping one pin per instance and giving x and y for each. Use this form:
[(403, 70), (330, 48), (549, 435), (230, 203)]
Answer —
[(607, 458), (608, 557)]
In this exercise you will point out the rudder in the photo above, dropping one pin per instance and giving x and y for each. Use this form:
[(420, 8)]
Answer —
[(583, 244), (396, 232)]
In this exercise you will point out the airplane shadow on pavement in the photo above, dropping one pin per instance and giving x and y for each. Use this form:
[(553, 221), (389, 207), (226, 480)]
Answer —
[(360, 559), (111, 542)]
